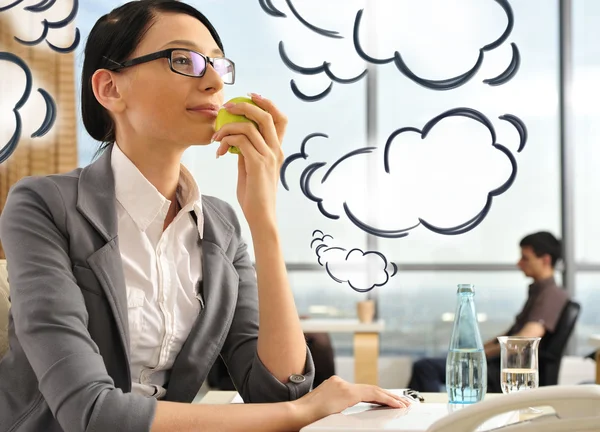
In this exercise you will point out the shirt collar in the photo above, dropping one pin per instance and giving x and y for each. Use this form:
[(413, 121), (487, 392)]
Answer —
[(538, 286), (143, 202), (190, 199)]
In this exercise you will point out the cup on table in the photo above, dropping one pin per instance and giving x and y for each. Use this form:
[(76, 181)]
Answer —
[(366, 311), (519, 363), (519, 368)]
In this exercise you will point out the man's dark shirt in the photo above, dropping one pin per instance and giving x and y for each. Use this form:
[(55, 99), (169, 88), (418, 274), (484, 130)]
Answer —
[(544, 305)]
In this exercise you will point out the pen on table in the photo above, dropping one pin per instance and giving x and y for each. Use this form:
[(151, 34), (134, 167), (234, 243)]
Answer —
[(413, 394)]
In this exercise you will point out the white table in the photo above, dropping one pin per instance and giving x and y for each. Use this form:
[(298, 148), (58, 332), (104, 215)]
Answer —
[(595, 342), (366, 343), (219, 397), (226, 397)]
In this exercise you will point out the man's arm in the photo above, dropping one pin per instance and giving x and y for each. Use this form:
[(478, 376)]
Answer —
[(530, 329), (492, 348)]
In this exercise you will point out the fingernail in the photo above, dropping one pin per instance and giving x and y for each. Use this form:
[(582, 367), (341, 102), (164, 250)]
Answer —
[(229, 105), (256, 96), (218, 155), (214, 137)]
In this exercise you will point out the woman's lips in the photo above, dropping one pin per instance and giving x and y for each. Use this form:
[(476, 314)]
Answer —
[(211, 112)]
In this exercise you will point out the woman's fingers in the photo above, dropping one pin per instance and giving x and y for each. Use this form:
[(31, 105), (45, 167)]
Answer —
[(334, 395), (243, 143), (402, 399), (379, 396), (264, 120), (280, 120), (366, 393), (241, 128)]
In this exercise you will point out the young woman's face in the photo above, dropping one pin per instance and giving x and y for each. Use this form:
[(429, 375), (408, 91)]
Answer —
[(161, 104)]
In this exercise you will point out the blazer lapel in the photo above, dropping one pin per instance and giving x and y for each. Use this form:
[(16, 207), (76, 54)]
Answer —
[(220, 280), (96, 202), (219, 289), (107, 266)]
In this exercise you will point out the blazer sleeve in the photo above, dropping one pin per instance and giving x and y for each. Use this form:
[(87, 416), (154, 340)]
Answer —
[(250, 376), (50, 317)]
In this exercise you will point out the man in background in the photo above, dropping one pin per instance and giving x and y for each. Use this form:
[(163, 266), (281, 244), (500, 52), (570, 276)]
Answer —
[(540, 314)]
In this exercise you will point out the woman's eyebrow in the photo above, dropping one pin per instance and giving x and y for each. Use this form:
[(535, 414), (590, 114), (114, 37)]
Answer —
[(192, 45)]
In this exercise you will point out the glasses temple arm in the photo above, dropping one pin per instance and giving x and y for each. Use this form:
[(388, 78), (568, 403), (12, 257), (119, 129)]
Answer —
[(110, 60)]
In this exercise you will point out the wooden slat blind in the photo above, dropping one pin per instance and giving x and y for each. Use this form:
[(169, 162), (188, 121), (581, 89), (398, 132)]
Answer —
[(55, 152)]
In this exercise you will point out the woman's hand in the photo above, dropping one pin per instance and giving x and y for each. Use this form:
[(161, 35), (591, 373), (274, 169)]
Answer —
[(261, 156), (335, 395)]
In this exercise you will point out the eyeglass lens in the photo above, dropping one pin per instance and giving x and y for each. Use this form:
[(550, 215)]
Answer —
[(192, 64)]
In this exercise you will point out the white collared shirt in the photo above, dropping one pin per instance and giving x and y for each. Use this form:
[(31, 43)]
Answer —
[(162, 270)]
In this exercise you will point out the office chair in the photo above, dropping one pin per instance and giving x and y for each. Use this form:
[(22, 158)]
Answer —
[(552, 345)]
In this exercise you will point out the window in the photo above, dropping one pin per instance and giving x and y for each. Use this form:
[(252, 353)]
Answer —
[(436, 185), (418, 308), (451, 165), (586, 130), (588, 296)]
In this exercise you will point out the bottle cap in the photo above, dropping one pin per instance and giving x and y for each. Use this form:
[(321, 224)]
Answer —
[(466, 288)]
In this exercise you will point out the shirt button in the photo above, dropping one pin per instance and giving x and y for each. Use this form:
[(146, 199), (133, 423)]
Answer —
[(297, 379)]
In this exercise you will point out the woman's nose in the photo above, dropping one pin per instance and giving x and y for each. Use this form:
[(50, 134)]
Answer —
[(211, 79)]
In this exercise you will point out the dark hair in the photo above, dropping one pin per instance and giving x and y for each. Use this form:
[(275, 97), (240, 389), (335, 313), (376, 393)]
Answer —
[(115, 36), (544, 243)]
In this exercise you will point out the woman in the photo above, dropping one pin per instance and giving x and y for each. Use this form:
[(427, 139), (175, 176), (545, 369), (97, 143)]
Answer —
[(126, 284)]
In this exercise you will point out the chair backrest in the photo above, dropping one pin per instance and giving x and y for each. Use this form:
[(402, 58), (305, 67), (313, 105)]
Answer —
[(4, 307), (552, 345)]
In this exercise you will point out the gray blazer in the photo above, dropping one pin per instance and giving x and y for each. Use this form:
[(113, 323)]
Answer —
[(68, 364)]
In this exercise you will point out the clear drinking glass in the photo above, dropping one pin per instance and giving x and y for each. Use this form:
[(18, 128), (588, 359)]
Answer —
[(519, 369)]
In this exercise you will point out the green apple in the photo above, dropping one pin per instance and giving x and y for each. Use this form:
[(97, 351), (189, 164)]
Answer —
[(224, 117)]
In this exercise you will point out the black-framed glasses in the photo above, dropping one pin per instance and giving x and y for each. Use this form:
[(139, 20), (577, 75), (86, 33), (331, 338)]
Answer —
[(184, 62)]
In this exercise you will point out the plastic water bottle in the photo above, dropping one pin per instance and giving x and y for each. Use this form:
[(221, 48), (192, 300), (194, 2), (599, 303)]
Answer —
[(466, 366)]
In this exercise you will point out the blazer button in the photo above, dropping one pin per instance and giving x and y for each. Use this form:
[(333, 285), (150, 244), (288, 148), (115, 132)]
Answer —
[(297, 379)]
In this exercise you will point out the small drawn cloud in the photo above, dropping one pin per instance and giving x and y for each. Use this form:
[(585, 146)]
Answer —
[(315, 57), (342, 264), (9, 147), (48, 25), (443, 176)]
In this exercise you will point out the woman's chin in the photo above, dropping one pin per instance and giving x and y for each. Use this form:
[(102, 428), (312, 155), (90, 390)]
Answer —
[(199, 137), (201, 143)]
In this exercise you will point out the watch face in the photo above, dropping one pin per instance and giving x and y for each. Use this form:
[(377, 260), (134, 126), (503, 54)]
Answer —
[(297, 379)]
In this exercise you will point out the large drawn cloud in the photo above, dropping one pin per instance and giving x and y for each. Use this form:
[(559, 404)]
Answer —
[(47, 25), (443, 176), (311, 59), (10, 146), (362, 271)]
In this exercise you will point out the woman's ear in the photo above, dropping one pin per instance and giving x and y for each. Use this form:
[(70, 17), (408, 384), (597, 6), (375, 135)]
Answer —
[(106, 91)]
